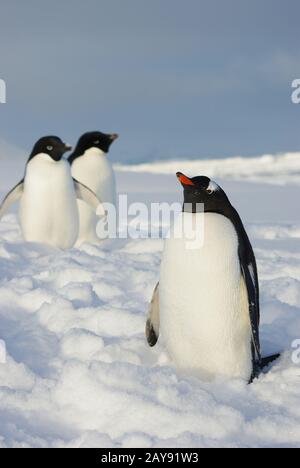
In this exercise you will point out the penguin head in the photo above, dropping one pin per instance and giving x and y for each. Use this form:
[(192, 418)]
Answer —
[(52, 146), (99, 140), (202, 190)]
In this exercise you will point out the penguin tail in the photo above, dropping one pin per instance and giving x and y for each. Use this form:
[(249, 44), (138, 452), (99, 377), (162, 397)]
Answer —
[(268, 360), (258, 366)]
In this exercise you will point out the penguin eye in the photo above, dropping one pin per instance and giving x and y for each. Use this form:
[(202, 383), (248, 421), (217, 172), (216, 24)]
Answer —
[(210, 191), (49, 148), (96, 142)]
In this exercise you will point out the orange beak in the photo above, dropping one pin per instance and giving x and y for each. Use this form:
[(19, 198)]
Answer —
[(184, 180)]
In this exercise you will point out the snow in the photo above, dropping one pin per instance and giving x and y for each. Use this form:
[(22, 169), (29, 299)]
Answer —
[(78, 372)]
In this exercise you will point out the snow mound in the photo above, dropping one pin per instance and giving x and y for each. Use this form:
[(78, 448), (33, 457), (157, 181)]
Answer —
[(78, 372), (278, 169)]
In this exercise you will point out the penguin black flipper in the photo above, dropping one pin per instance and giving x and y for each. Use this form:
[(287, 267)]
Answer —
[(250, 275), (12, 197), (254, 315), (152, 325), (86, 194)]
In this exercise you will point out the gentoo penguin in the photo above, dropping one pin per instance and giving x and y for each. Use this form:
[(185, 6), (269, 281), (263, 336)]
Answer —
[(206, 305), (91, 166), (47, 194)]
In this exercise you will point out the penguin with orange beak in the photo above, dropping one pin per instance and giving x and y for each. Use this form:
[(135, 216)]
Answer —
[(206, 305)]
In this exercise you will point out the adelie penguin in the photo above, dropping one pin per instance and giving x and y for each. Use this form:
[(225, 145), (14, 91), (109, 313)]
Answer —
[(47, 194), (90, 165), (206, 305)]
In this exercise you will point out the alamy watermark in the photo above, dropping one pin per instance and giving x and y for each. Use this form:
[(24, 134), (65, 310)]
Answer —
[(296, 93), (296, 353), (156, 221), (2, 92), (2, 352)]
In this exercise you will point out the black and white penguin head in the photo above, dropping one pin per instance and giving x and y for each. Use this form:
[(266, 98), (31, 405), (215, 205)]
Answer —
[(98, 140), (202, 190), (51, 146)]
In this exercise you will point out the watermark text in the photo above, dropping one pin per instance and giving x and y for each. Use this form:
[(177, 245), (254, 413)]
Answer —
[(2, 352), (296, 93), (154, 221), (296, 353), (2, 92)]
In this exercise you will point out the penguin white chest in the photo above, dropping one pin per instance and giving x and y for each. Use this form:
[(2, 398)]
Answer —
[(203, 303), (48, 208), (94, 170)]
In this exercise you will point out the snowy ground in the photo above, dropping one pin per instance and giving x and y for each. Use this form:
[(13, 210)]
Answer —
[(78, 371)]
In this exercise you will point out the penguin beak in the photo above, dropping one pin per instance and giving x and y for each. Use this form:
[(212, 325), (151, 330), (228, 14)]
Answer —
[(184, 180), (114, 136), (68, 148)]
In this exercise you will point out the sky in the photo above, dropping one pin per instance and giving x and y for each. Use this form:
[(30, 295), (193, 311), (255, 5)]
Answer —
[(192, 78)]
